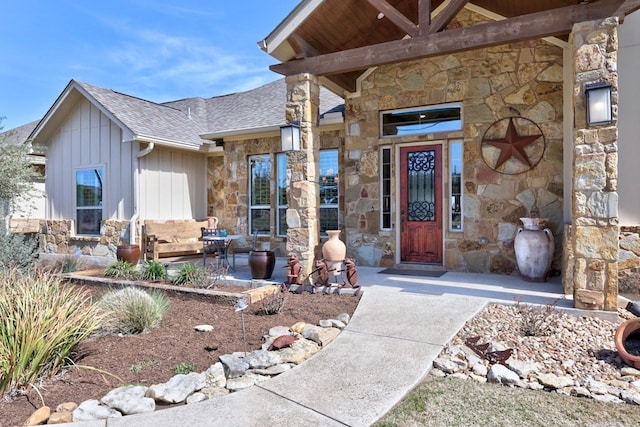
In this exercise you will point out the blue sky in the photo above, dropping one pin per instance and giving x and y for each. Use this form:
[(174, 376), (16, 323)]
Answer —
[(159, 50)]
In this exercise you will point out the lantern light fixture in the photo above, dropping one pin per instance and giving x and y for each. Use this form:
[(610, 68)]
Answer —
[(598, 97), (290, 137)]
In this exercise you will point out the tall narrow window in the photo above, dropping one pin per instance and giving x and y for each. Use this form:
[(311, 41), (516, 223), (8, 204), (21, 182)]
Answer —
[(283, 182), (89, 184), (328, 190), (260, 193), (385, 188), (455, 186)]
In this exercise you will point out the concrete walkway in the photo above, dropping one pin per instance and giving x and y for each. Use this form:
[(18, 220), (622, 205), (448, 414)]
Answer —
[(400, 326)]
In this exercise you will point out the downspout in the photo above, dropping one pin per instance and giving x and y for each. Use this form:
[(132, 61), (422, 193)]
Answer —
[(136, 191)]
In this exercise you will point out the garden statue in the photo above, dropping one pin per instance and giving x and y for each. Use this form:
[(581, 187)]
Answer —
[(352, 276), (294, 274), (323, 275)]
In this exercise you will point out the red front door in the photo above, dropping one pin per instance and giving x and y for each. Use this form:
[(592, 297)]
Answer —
[(421, 204)]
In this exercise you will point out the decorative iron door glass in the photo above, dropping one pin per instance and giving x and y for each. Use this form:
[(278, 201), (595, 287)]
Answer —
[(89, 200)]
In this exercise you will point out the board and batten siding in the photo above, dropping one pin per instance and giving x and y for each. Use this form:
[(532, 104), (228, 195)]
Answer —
[(628, 123), (88, 138), (173, 185)]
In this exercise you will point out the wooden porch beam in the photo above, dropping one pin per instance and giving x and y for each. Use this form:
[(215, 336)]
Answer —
[(446, 16), (424, 15), (396, 17), (627, 8), (526, 27)]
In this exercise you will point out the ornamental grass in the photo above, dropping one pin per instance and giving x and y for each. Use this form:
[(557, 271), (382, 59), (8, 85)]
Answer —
[(41, 322), (132, 310)]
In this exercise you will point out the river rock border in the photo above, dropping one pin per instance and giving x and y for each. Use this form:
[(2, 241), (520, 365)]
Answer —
[(232, 373)]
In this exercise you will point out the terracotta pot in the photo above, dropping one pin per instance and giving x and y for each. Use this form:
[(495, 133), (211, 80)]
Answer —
[(334, 252), (627, 338), (129, 253), (534, 248), (261, 264)]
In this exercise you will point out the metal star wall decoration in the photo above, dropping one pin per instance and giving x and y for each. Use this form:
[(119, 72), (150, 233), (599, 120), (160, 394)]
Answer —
[(512, 146)]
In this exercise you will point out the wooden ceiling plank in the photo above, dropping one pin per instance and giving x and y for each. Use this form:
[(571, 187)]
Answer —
[(446, 16), (525, 27), (401, 21), (424, 15)]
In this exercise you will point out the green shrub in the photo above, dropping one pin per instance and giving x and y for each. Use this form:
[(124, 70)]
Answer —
[(41, 322), (132, 310), (153, 271), (189, 274), (16, 250), (185, 368), (121, 270)]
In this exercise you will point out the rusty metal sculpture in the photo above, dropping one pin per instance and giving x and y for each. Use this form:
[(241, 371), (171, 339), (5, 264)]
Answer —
[(352, 276), (498, 356), (322, 278), (294, 273)]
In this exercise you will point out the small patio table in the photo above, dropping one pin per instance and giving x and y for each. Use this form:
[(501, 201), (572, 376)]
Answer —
[(221, 243)]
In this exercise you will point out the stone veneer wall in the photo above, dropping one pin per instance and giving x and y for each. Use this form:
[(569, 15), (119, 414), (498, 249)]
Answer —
[(494, 83), (594, 242), (57, 237)]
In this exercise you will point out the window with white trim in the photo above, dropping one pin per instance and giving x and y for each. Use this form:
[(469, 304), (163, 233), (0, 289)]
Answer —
[(329, 184), (89, 190), (455, 186), (260, 194), (281, 194)]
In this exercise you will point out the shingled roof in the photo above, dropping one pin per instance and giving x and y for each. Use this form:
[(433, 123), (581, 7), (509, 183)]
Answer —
[(185, 122)]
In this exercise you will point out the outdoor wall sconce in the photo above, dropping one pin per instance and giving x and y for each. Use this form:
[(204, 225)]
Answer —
[(598, 97), (290, 137)]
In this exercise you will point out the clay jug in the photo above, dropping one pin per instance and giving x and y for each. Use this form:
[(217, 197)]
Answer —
[(534, 247), (334, 252)]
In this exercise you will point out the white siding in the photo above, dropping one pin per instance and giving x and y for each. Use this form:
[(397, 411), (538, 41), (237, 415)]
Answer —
[(173, 185), (629, 120), (89, 139)]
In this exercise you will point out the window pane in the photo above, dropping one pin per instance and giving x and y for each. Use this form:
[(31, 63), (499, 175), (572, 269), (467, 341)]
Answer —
[(89, 187), (282, 221), (328, 219), (282, 179), (89, 201), (88, 221), (283, 182), (386, 188), (455, 170), (329, 177), (260, 180), (260, 220), (421, 121)]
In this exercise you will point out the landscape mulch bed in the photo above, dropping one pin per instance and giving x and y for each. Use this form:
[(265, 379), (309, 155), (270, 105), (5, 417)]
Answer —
[(106, 362)]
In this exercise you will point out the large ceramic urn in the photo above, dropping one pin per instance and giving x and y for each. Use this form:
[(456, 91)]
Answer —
[(128, 253), (261, 264), (334, 251), (534, 247)]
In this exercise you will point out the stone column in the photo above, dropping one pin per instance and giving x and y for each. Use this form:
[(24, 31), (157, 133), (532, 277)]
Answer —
[(303, 101), (594, 230)]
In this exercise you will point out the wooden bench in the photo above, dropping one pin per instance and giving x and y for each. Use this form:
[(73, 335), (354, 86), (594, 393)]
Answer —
[(171, 238)]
